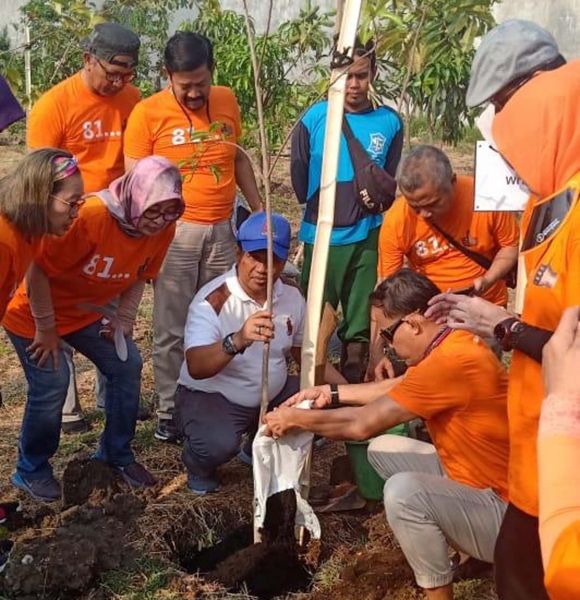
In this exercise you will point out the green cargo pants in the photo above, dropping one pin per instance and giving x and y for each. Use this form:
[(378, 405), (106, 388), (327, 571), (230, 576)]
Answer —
[(350, 278)]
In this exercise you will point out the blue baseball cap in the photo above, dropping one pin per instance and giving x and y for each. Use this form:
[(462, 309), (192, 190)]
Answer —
[(252, 234)]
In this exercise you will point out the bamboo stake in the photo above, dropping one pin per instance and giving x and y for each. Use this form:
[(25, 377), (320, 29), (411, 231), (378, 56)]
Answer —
[(327, 196), (27, 70)]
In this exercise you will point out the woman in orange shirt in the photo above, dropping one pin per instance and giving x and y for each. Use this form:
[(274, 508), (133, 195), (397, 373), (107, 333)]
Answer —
[(117, 243), (40, 196)]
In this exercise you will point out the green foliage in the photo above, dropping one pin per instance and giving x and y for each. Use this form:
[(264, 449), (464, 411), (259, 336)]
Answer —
[(425, 50), (289, 56)]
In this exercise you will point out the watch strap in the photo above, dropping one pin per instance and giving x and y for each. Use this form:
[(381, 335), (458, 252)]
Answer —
[(334, 399)]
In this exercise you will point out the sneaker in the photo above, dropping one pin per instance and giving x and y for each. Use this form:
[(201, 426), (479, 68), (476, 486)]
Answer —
[(166, 431), (78, 426), (7, 509), (136, 475), (45, 490), (5, 549), (202, 485), (245, 457)]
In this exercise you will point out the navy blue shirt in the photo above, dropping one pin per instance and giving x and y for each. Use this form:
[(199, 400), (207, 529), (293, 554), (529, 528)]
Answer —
[(380, 132)]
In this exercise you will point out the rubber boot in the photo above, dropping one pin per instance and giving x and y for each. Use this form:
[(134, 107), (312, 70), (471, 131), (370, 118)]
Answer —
[(353, 360)]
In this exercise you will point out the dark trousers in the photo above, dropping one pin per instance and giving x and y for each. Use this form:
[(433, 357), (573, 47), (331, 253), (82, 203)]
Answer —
[(212, 426), (519, 573)]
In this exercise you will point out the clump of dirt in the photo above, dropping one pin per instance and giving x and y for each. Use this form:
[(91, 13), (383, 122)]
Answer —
[(84, 477), (267, 569), (87, 541)]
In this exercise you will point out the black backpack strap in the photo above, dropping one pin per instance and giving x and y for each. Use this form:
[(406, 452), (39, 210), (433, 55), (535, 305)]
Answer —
[(476, 257)]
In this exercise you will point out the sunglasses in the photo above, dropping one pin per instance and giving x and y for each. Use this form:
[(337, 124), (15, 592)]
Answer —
[(388, 333), (116, 77)]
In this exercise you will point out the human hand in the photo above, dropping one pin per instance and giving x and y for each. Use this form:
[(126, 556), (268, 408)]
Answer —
[(481, 285), (561, 357), (469, 313), (319, 396), (46, 345), (384, 370), (259, 327), (108, 328), (279, 421)]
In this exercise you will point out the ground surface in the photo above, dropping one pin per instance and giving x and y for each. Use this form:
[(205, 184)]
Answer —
[(119, 545)]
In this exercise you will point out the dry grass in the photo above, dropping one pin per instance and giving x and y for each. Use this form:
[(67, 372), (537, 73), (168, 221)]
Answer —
[(173, 517)]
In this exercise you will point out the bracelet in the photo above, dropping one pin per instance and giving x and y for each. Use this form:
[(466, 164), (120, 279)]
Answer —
[(334, 400)]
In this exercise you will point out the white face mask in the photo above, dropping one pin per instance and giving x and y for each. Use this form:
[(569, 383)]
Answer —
[(484, 123)]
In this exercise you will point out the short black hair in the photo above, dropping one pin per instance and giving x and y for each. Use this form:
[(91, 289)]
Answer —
[(367, 49), (187, 51), (404, 293)]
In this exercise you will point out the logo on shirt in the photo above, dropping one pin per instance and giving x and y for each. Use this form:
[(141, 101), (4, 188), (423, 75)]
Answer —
[(377, 145), (545, 277), (289, 327)]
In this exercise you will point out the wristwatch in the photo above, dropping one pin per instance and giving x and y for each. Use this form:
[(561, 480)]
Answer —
[(334, 401), (506, 332), (229, 347)]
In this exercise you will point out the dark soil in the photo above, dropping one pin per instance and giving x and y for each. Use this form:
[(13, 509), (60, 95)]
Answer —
[(83, 477), (86, 539), (268, 569)]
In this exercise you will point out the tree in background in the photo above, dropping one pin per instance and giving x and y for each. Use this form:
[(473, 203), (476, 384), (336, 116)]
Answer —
[(425, 50)]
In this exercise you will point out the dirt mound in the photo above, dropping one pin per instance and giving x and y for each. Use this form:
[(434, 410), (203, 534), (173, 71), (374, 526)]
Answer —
[(87, 541), (83, 477)]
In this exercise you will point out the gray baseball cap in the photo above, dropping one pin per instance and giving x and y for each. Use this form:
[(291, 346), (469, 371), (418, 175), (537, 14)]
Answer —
[(509, 51), (108, 40)]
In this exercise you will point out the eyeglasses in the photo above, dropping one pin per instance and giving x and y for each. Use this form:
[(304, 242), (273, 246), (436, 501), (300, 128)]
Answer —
[(116, 77), (72, 204), (168, 216), (388, 333)]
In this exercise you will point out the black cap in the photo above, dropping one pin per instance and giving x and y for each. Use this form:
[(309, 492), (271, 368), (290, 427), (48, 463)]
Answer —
[(108, 40)]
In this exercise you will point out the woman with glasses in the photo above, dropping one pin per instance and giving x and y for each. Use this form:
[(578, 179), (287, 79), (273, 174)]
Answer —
[(117, 243), (33, 202)]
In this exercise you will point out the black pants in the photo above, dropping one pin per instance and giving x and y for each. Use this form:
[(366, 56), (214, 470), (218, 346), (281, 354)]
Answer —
[(519, 572)]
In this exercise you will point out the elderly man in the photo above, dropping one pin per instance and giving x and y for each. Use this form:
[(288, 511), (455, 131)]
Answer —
[(518, 69), (453, 492), (434, 227), (219, 390), (168, 124), (86, 114)]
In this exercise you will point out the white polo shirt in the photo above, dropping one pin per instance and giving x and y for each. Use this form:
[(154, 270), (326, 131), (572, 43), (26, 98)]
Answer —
[(221, 307)]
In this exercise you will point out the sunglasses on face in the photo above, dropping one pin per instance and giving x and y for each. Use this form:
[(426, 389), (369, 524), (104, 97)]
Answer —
[(112, 77), (388, 333)]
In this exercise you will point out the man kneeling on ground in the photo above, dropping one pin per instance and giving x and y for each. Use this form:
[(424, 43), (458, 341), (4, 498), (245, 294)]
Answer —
[(454, 491), (219, 391)]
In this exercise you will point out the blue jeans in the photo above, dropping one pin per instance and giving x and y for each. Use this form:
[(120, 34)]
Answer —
[(47, 389)]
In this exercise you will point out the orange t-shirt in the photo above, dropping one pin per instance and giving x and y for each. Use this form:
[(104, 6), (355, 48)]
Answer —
[(160, 125), (16, 254), (404, 234), (460, 389), (94, 263), (538, 132), (71, 117)]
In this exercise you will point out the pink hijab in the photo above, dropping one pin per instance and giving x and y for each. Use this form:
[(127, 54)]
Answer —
[(152, 180)]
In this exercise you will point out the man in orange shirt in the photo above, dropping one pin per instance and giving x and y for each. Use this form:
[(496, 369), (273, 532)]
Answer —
[(86, 115), (454, 491), (436, 202), (536, 128), (196, 125)]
